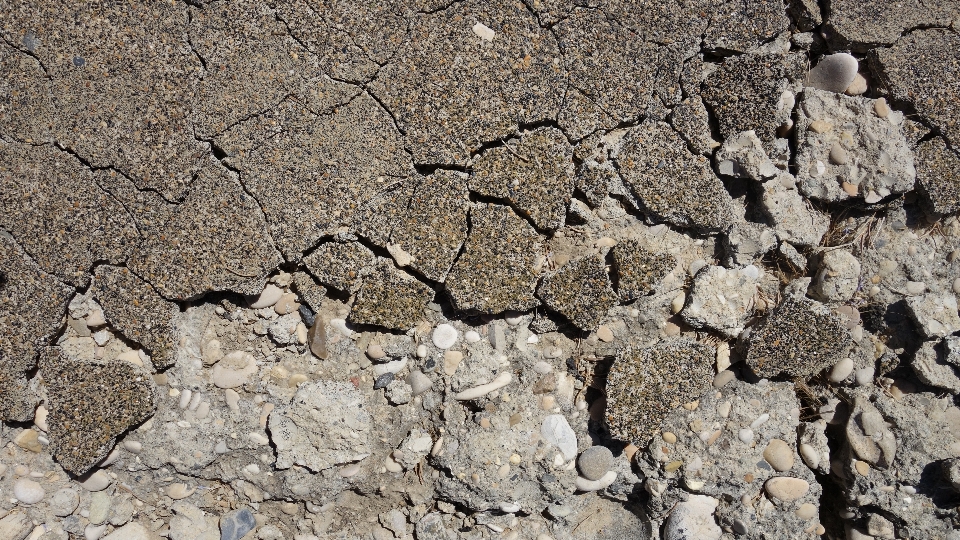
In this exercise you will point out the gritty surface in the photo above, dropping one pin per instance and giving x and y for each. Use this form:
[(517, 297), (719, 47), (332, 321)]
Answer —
[(545, 269)]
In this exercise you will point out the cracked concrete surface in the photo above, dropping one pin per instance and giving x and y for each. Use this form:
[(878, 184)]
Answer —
[(456, 240)]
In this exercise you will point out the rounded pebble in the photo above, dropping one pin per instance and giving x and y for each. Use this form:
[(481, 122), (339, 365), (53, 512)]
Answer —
[(594, 462), (27, 491), (916, 287), (677, 304), (471, 336), (779, 455), (806, 511), (271, 295), (956, 285), (841, 370), (834, 72), (444, 336), (669, 437), (865, 376), (723, 378), (786, 488), (745, 435), (604, 334), (64, 501), (810, 455), (838, 154), (858, 87), (419, 383), (97, 481), (375, 351)]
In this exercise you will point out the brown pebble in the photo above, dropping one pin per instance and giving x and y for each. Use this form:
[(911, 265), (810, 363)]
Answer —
[(881, 108), (669, 437), (287, 304), (673, 465), (671, 329), (850, 189), (748, 478), (862, 467)]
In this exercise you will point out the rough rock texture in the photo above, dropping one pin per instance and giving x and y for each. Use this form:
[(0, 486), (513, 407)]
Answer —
[(91, 404), (535, 175), (156, 72), (580, 291), (324, 425), (57, 213), (938, 176), (177, 259), (312, 170), (434, 225), (922, 68), (679, 368), (638, 270), (845, 147), (798, 338), (862, 25), (137, 310), (390, 298), (341, 265), (692, 196), (437, 84), (793, 218), (722, 299), (495, 272), (32, 305)]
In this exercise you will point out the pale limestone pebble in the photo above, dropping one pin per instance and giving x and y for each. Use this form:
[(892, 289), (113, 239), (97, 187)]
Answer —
[(693, 520), (724, 408), (130, 531), (556, 431), (471, 336), (603, 482), (268, 298), (451, 361), (99, 480), (444, 336), (723, 356), (806, 511), (604, 333), (232, 399), (131, 356), (28, 491), (858, 87), (287, 304), (394, 366), (375, 351), (234, 370), (786, 488), (834, 73), (745, 435), (864, 376), (810, 455), (779, 455), (101, 337), (479, 391), (179, 490), (841, 370), (94, 532), (134, 447)]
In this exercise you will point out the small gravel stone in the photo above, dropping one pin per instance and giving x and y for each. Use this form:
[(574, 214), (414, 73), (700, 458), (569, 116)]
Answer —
[(841, 370), (383, 381), (64, 502), (419, 383), (745, 435), (271, 295), (594, 462)]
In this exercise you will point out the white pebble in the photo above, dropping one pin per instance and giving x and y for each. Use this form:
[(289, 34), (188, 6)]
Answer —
[(27, 491), (786, 488), (97, 481), (834, 72), (471, 336), (556, 431), (724, 409), (760, 421), (841, 370), (810, 455), (477, 391), (745, 435), (445, 336), (94, 532), (179, 491), (185, 398), (134, 447), (594, 485), (693, 518), (916, 287), (484, 32), (865, 376), (533, 338), (421, 351)]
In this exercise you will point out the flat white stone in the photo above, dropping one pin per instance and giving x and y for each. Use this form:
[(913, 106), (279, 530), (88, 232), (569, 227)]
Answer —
[(483, 32), (445, 336), (556, 431)]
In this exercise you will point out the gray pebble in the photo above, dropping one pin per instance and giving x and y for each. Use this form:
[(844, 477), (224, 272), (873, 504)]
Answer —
[(594, 462), (834, 73), (383, 381), (236, 523)]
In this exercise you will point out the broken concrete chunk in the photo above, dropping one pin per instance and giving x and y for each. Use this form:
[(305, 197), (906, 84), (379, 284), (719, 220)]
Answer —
[(341, 265), (57, 213), (495, 272), (319, 170), (797, 339), (722, 299), (843, 147), (869, 435), (793, 217), (931, 83), (931, 367), (645, 384), (935, 314), (91, 404), (639, 270), (740, 26), (390, 298), (178, 260), (746, 242), (580, 291), (866, 24), (434, 226), (134, 307), (837, 278), (535, 174), (743, 156), (672, 184), (938, 176), (438, 84), (326, 424), (32, 306)]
